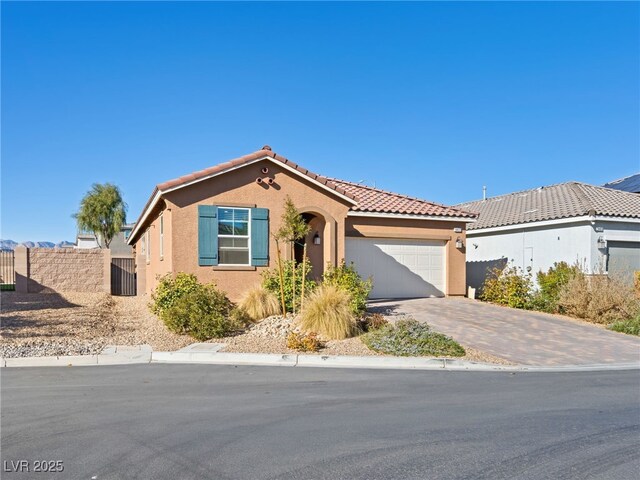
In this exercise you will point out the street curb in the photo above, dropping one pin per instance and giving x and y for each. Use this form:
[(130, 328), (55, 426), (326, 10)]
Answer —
[(116, 355), (222, 358)]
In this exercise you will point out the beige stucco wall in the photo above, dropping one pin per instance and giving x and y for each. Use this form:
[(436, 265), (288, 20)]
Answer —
[(419, 229), (238, 188), (157, 265), (63, 270)]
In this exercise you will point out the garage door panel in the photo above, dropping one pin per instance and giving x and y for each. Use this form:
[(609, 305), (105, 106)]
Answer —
[(623, 259), (400, 268)]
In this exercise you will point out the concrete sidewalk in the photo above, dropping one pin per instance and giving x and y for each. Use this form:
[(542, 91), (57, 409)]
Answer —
[(520, 336), (198, 354)]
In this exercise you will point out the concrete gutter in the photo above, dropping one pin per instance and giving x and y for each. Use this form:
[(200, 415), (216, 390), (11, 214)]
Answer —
[(117, 355)]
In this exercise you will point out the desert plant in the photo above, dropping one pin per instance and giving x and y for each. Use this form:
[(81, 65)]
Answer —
[(630, 326), (550, 283), (259, 303), (170, 289), (280, 281), (293, 228), (328, 312), (409, 337), (303, 342), (347, 278), (371, 322), (102, 212), (508, 286), (598, 298), (203, 313)]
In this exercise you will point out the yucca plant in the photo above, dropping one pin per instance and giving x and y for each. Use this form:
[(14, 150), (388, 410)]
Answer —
[(259, 303), (328, 312)]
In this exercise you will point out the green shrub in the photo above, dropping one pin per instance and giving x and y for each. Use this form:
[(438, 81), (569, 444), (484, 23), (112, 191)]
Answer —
[(373, 321), (508, 286), (259, 303), (347, 278), (550, 283), (410, 338), (598, 299), (630, 326), (170, 289), (271, 282), (203, 313), (328, 312), (303, 342)]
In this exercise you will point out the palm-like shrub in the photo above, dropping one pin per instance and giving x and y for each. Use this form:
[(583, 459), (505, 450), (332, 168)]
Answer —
[(259, 303), (328, 312)]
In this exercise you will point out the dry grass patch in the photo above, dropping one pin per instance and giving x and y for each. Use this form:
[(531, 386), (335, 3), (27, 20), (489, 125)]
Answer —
[(328, 313), (598, 299), (259, 303)]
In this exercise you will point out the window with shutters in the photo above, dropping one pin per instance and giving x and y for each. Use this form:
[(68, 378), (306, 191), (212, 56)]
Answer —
[(234, 234)]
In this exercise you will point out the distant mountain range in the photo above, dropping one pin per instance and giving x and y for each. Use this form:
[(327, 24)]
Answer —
[(11, 245)]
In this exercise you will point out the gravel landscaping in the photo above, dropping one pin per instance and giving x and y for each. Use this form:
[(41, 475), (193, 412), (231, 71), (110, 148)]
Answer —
[(83, 324)]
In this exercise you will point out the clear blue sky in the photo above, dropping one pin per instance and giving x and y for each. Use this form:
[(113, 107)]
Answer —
[(427, 99)]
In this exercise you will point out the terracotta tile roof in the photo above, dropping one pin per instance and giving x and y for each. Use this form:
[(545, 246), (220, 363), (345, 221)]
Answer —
[(265, 151), (371, 199), (564, 200), (365, 199)]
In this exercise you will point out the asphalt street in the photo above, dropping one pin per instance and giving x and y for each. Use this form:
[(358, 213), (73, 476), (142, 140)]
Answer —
[(225, 422)]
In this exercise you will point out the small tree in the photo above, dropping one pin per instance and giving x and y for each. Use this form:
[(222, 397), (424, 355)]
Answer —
[(292, 229), (102, 212)]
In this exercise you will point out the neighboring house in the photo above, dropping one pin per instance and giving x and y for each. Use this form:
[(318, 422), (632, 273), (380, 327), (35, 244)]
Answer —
[(218, 224), (572, 222), (118, 246), (626, 184)]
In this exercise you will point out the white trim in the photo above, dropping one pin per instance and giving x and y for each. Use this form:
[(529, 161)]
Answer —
[(236, 167), (557, 221), (146, 213), (411, 217), (603, 218)]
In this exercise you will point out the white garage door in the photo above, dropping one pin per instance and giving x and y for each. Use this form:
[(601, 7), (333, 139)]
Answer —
[(400, 268)]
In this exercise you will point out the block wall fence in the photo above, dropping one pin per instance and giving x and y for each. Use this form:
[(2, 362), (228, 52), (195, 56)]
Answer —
[(43, 270)]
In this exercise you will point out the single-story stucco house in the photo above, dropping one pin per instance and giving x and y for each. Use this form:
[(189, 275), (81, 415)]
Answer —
[(571, 222), (217, 224)]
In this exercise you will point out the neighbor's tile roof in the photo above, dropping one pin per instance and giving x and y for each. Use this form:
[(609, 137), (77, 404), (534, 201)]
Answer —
[(626, 184), (374, 200), (565, 200)]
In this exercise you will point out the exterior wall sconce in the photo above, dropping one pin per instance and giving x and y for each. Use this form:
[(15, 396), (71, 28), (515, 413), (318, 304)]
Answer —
[(459, 243), (602, 242), (316, 239)]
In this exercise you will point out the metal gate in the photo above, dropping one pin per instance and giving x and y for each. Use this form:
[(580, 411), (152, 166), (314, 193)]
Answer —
[(7, 270), (123, 276)]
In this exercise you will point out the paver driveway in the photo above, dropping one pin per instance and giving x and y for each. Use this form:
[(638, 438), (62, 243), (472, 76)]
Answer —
[(522, 337)]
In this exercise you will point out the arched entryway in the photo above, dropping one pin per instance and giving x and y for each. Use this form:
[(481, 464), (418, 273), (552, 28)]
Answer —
[(315, 244)]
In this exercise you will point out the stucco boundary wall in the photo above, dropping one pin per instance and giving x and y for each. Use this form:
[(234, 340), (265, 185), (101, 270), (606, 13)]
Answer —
[(44, 270)]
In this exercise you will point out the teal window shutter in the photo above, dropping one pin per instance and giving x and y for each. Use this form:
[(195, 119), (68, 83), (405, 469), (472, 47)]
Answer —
[(207, 235), (259, 237)]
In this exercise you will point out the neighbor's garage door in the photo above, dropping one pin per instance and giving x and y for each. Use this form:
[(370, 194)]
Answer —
[(400, 268), (623, 260)]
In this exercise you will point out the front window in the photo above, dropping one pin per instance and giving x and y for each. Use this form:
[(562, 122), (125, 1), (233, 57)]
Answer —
[(233, 236)]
